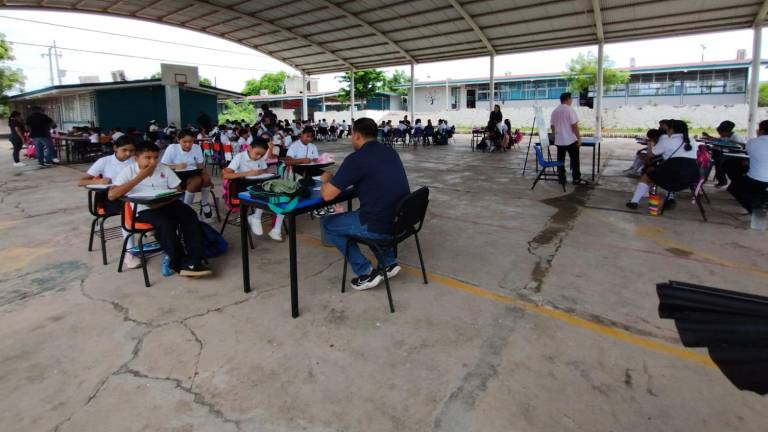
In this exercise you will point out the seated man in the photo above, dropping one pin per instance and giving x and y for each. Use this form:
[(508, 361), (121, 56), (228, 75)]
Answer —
[(752, 188), (378, 175), (147, 176)]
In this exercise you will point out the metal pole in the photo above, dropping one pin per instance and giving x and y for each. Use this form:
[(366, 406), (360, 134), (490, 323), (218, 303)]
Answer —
[(304, 109), (50, 65), (447, 96), (352, 94), (754, 79), (492, 87), (56, 54), (412, 99), (599, 92)]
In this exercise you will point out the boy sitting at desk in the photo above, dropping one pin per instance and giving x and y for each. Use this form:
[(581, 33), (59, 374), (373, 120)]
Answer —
[(147, 176), (303, 151)]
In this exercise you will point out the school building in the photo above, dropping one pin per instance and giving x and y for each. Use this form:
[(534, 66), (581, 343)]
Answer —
[(123, 104), (328, 101), (712, 83)]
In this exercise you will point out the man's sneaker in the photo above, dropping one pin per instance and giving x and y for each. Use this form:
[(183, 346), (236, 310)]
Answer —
[(631, 205), (167, 270), (255, 223), (131, 261), (45, 164), (392, 270), (55, 160), (19, 164), (207, 211), (197, 270), (276, 234), (371, 280), (670, 204)]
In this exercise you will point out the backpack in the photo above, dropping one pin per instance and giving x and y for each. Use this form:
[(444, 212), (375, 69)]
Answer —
[(703, 160), (214, 244), (281, 191), (30, 151)]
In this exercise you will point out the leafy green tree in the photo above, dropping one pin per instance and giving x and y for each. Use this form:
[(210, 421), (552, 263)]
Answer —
[(205, 81), (237, 111), (762, 99), (398, 78), (367, 84), (155, 75), (10, 78), (581, 72), (273, 82)]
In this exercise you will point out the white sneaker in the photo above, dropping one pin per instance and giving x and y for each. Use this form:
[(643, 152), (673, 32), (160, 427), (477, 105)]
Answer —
[(131, 261), (276, 234), (255, 224), (19, 164), (55, 160)]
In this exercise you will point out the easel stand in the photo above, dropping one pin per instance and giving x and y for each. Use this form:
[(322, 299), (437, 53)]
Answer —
[(528, 152)]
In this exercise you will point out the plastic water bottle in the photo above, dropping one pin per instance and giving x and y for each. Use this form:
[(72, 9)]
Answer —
[(759, 218), (167, 271), (654, 201)]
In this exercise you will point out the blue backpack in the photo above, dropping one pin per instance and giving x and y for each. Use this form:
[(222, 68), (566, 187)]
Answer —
[(214, 244)]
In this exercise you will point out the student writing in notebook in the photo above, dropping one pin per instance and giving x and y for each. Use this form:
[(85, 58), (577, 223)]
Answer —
[(187, 160), (147, 176)]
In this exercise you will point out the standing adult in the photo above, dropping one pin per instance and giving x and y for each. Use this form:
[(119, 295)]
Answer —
[(378, 175), (205, 121), (268, 118), (496, 117), (16, 126), (565, 126), (40, 125)]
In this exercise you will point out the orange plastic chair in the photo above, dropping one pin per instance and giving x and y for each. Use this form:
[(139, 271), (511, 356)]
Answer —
[(128, 221)]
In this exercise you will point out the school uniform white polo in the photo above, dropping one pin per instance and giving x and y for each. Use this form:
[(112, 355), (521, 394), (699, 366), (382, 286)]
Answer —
[(673, 147), (108, 167), (757, 148), (300, 151), (174, 155), (161, 180), (242, 162)]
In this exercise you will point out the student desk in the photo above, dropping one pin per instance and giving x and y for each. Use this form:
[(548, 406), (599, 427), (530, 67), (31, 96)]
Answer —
[(595, 144), (68, 143), (308, 169), (305, 205)]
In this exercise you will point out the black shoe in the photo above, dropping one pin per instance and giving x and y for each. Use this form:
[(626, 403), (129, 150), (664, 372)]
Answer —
[(371, 280), (392, 270), (631, 205), (670, 204), (207, 212), (45, 164), (196, 270)]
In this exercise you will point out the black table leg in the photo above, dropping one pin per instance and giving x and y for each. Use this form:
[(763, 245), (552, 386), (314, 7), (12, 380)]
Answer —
[(598, 158), (244, 247), (294, 273), (593, 162)]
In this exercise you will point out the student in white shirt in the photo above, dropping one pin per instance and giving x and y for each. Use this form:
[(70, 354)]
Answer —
[(243, 140), (727, 135), (103, 172), (342, 128), (95, 136), (116, 133), (754, 184), (302, 151), (565, 126), (253, 162), (147, 176), (679, 169), (187, 160)]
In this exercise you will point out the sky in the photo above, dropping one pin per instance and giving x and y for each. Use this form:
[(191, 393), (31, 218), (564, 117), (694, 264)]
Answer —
[(229, 65)]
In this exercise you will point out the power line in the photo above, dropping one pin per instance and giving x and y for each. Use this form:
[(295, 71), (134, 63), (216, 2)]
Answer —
[(141, 57), (135, 37)]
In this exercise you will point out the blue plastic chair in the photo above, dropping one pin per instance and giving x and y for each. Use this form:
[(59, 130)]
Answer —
[(544, 164)]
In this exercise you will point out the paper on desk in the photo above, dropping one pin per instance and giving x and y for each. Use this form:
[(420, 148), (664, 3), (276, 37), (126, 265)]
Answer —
[(145, 195), (98, 186), (260, 176)]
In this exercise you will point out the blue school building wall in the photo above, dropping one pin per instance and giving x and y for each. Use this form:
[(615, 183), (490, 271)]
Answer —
[(192, 103), (130, 107)]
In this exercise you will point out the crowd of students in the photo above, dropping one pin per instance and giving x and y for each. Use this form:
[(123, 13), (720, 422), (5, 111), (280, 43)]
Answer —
[(416, 132), (672, 161)]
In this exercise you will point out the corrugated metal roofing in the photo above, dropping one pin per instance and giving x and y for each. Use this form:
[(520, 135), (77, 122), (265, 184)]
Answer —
[(323, 36)]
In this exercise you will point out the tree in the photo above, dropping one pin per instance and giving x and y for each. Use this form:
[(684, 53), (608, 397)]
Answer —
[(156, 75), (367, 84), (206, 81), (237, 111), (582, 72), (762, 99), (272, 82), (398, 78), (10, 78)]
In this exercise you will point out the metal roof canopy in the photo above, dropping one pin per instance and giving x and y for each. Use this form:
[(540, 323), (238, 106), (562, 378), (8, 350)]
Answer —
[(327, 36)]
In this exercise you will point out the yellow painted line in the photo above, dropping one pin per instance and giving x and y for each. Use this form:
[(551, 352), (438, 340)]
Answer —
[(567, 318), (19, 257)]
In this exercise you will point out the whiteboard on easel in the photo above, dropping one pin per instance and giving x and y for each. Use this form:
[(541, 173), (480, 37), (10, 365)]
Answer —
[(543, 125)]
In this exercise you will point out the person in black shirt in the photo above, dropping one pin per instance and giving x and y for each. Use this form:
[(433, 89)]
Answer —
[(378, 175), (205, 121), (17, 137), (40, 125)]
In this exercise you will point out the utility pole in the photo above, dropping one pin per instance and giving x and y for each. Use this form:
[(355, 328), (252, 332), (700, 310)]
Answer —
[(53, 53), (57, 55)]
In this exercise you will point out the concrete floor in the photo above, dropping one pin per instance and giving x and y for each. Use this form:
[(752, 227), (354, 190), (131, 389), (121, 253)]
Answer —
[(540, 316)]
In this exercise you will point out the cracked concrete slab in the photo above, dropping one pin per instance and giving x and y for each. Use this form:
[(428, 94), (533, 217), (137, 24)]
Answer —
[(85, 348)]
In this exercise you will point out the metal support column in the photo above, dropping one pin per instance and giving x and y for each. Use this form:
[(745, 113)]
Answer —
[(754, 79), (304, 108), (492, 88), (598, 105), (412, 97), (352, 95)]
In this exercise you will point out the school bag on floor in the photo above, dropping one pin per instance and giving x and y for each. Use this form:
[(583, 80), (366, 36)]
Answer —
[(214, 244), (30, 152)]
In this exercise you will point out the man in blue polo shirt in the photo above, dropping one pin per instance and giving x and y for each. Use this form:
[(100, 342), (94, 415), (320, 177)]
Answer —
[(378, 175)]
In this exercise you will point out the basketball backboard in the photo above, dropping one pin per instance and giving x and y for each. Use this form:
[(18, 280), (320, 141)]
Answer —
[(179, 75)]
